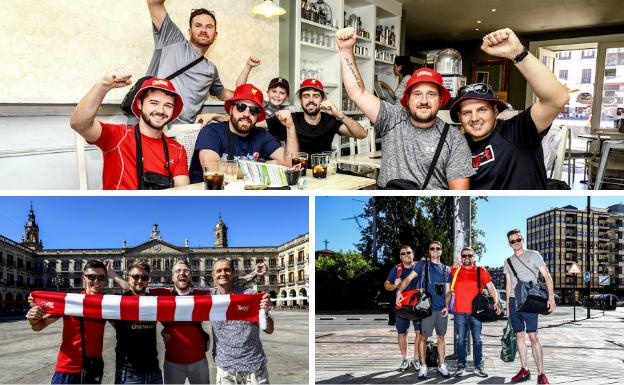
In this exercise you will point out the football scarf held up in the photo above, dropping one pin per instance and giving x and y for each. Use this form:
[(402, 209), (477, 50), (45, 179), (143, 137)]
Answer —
[(240, 307)]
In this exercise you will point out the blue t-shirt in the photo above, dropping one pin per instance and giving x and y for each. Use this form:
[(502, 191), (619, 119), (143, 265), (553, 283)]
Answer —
[(213, 137), (404, 273), (439, 274)]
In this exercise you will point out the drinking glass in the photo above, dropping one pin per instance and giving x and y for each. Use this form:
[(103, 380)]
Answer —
[(319, 165)]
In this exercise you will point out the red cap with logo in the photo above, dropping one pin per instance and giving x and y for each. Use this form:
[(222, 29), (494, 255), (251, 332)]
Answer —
[(247, 92), (158, 84), (426, 75), (311, 83)]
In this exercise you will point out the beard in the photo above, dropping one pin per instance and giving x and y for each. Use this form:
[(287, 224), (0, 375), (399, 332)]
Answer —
[(150, 122), (313, 112), (424, 117), (196, 41), (242, 125)]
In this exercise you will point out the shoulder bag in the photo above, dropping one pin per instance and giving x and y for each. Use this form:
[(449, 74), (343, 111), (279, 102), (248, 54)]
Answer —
[(416, 304), (482, 305), (530, 297)]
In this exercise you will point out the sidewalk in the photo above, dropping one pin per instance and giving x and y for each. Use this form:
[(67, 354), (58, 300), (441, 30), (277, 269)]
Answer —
[(582, 352)]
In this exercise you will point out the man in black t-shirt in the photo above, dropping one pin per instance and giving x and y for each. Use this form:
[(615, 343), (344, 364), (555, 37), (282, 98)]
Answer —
[(508, 154), (319, 121), (136, 352)]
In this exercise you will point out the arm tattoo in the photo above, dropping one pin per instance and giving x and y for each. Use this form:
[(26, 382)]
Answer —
[(356, 75)]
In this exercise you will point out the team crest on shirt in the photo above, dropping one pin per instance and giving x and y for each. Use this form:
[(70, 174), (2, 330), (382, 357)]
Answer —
[(242, 308), (485, 157)]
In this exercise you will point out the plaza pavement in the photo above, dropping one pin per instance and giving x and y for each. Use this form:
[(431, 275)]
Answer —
[(28, 357), (360, 349)]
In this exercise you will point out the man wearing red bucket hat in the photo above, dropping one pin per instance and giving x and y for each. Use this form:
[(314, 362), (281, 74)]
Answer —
[(239, 137), (135, 157), (508, 154), (420, 151), (319, 122)]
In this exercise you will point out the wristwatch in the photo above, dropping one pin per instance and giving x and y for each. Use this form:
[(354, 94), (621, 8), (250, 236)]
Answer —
[(519, 57)]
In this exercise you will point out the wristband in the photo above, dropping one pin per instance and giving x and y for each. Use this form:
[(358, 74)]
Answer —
[(519, 57)]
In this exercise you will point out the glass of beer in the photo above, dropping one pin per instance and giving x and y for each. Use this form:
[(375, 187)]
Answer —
[(230, 171), (302, 159), (319, 165), (333, 162), (213, 176)]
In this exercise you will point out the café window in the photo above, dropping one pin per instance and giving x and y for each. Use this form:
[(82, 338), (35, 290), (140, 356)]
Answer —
[(586, 76), (78, 266), (64, 265), (563, 74), (564, 55), (588, 54)]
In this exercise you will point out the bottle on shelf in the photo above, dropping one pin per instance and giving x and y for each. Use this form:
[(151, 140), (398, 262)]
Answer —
[(392, 36)]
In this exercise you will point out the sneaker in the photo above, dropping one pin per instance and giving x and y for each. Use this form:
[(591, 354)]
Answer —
[(542, 379), (422, 373), (443, 370), (523, 375), (416, 364), (461, 370), (479, 371), (404, 365)]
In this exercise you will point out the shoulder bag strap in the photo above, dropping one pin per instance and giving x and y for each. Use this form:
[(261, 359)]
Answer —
[(531, 270), (436, 156), (512, 268), (185, 68), (139, 157), (479, 279), (399, 270), (426, 275), (455, 278), (167, 165)]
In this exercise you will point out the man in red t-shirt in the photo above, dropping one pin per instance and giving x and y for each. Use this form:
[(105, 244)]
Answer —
[(465, 288), (69, 362), (163, 159)]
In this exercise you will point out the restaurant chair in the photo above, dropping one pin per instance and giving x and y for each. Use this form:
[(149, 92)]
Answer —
[(613, 173), (572, 155), (186, 135), (556, 158)]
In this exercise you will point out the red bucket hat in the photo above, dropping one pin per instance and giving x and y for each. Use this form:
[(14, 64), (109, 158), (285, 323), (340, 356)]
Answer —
[(311, 83), (247, 92), (426, 75), (159, 84)]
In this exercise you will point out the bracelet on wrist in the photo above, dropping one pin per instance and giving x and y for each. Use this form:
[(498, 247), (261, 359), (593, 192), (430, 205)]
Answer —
[(519, 57)]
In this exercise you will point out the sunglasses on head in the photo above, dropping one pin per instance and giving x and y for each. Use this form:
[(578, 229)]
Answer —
[(435, 248), (93, 277), (255, 111), (138, 277), (196, 11), (513, 241), (478, 88)]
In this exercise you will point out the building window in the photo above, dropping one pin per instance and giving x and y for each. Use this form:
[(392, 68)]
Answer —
[(234, 264), (195, 264), (20, 263), (208, 264), (588, 54), (247, 264), (564, 55), (117, 265), (78, 266), (64, 265), (291, 259), (563, 74), (195, 280), (586, 76), (273, 280), (167, 264), (156, 264), (10, 279), (300, 275), (1, 258), (10, 261), (272, 263), (77, 282), (291, 277), (300, 256), (282, 279)]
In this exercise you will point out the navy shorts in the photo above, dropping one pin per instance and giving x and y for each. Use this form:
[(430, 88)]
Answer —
[(521, 321), (66, 378), (402, 325)]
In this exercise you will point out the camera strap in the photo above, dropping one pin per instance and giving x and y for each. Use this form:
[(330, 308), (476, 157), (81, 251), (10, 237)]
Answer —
[(139, 157)]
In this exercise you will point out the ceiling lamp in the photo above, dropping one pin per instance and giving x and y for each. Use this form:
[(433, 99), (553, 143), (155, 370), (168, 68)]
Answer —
[(268, 9)]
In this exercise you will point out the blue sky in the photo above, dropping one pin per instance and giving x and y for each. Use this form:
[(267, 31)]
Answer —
[(495, 217), (99, 222)]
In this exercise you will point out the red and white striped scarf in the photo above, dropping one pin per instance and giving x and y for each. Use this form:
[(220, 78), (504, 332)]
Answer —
[(242, 307)]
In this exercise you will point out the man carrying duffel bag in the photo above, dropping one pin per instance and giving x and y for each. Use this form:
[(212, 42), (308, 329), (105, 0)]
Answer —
[(527, 298)]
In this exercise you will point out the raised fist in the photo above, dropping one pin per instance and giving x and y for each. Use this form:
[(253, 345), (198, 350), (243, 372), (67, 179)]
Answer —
[(253, 61), (345, 38), (502, 43), (117, 79)]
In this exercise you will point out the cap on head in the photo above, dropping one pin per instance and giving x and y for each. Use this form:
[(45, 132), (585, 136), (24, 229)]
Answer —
[(247, 92), (488, 96), (280, 82), (158, 84), (426, 75), (311, 84)]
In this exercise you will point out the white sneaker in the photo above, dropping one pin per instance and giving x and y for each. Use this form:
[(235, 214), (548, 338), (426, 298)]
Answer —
[(422, 373), (404, 365), (443, 370), (416, 364)]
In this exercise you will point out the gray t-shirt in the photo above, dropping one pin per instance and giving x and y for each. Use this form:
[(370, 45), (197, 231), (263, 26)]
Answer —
[(398, 93), (236, 344), (173, 51), (408, 150), (532, 259)]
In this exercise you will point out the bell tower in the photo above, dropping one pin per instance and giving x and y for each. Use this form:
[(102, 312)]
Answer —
[(220, 233), (30, 238)]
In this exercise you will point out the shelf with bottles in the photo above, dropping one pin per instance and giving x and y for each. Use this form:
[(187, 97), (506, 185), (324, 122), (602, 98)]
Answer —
[(320, 13), (319, 26), (385, 57), (384, 46), (385, 36), (318, 39), (360, 38)]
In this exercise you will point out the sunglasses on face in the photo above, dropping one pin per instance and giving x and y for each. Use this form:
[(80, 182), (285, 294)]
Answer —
[(478, 88), (406, 253), (435, 248), (514, 241), (138, 277), (467, 256), (93, 277), (253, 110)]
